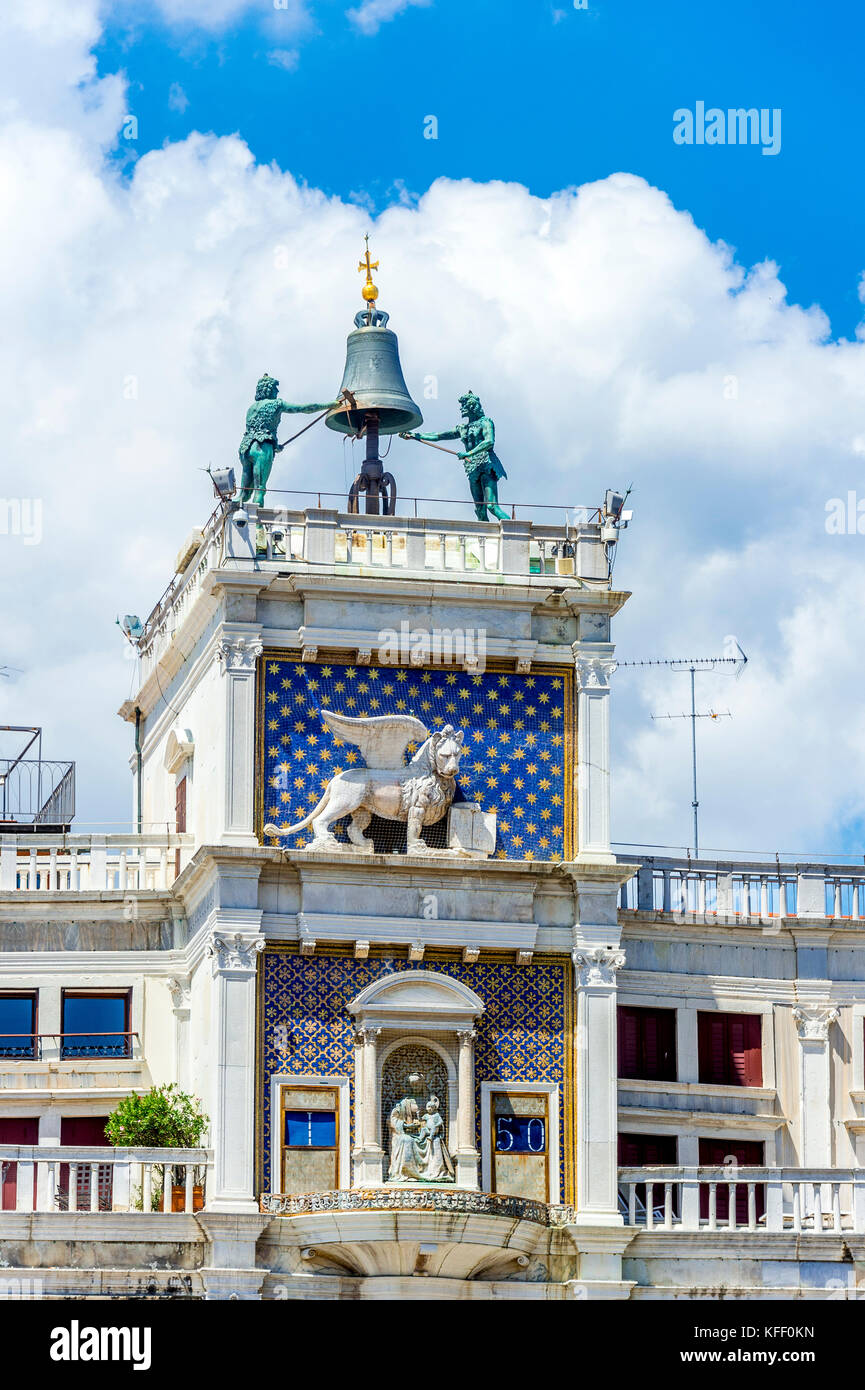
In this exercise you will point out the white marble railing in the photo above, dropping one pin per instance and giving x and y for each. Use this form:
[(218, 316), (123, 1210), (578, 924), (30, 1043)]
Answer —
[(324, 536), (803, 1200), (91, 863), (67, 1178), (748, 892)]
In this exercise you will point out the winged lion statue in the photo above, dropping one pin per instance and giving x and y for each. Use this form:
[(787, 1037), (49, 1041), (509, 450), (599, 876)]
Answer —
[(418, 794)]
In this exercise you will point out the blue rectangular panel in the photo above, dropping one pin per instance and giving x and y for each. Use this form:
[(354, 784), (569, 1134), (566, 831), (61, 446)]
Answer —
[(521, 1134), (310, 1129)]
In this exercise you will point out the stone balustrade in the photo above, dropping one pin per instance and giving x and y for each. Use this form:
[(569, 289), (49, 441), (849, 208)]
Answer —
[(802, 1200), (72, 1178), (58, 863), (728, 892)]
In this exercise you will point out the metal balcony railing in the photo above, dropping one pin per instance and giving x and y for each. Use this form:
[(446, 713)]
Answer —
[(30, 1046)]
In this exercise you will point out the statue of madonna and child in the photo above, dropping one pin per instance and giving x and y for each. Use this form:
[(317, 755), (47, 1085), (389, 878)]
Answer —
[(418, 1152)]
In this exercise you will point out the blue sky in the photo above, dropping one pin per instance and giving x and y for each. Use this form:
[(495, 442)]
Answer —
[(543, 94)]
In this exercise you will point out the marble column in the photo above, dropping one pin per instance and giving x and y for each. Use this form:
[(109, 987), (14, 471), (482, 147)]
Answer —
[(234, 957), (813, 1023), (594, 666), (595, 972), (466, 1155), (238, 654), (368, 1154)]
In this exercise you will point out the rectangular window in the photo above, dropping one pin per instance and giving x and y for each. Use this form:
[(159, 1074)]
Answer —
[(309, 1138), (18, 1025), (96, 1025), (647, 1044), (730, 1049)]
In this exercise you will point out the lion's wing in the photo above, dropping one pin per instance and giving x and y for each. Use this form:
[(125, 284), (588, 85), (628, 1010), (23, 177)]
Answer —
[(382, 739)]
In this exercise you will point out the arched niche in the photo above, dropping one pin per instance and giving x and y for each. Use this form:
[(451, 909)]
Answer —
[(427, 1009)]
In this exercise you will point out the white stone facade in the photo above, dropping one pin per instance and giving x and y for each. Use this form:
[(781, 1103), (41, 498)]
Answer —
[(189, 947)]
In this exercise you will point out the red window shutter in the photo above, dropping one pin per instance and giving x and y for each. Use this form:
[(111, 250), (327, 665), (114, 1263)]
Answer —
[(180, 806), (650, 1046), (712, 1042), (16, 1132), (754, 1051), (629, 1151), (629, 1043), (737, 1051)]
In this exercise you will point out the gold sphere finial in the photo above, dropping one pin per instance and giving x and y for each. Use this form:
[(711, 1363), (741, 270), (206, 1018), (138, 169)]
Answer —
[(369, 291)]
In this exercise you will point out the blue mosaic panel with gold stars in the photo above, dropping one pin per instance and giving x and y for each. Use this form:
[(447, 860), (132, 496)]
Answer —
[(523, 1034), (518, 738)]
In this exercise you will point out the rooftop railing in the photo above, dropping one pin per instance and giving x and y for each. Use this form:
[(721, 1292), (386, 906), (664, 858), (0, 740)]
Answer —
[(63, 863), (568, 547), (744, 892)]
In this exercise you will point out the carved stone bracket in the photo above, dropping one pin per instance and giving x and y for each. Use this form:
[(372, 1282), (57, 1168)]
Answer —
[(180, 993), (813, 1023), (239, 654), (594, 672), (233, 951), (596, 965)]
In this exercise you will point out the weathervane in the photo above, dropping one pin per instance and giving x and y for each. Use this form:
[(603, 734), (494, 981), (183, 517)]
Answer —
[(369, 291)]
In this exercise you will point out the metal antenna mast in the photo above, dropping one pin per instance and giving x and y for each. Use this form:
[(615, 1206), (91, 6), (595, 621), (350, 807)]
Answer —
[(692, 665)]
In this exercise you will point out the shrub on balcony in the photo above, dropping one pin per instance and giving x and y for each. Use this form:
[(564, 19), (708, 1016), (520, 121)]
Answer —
[(163, 1118)]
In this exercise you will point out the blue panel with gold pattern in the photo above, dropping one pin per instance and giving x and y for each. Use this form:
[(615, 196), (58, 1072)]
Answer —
[(521, 1036), (518, 735)]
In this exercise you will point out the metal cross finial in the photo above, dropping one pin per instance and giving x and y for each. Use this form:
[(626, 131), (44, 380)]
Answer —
[(369, 291)]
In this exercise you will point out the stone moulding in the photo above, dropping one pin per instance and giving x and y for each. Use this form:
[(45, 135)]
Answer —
[(418, 1199)]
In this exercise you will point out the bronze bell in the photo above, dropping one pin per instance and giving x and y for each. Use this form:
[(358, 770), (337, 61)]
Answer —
[(375, 398), (374, 378)]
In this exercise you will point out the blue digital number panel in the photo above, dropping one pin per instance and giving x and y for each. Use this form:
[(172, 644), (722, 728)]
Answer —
[(521, 1134), (310, 1129)]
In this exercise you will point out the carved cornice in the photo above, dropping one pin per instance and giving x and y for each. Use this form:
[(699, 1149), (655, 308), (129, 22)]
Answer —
[(414, 1199), (596, 965), (593, 672), (239, 654), (233, 951), (813, 1023)]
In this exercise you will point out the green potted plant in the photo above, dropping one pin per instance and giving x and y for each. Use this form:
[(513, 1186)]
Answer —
[(162, 1118)]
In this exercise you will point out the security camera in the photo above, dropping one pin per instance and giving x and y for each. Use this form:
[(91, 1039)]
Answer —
[(240, 518)]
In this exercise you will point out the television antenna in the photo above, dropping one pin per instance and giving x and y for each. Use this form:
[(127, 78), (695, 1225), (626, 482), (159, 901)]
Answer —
[(693, 665)]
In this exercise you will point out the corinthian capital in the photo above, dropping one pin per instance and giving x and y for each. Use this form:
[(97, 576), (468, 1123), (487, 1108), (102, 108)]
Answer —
[(596, 965), (239, 653), (813, 1023), (233, 951), (593, 672)]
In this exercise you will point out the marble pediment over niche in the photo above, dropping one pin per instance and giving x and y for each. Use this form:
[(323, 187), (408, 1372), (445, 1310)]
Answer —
[(417, 998)]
